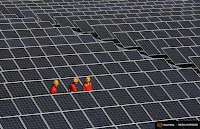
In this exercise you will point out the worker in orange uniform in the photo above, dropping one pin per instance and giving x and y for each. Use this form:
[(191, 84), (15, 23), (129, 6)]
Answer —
[(87, 86), (53, 89), (72, 86)]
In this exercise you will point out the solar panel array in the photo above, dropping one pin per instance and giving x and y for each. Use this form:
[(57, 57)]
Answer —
[(44, 40)]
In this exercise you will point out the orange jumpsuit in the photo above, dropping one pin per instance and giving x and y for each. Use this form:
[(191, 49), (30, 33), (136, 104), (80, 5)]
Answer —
[(72, 88), (53, 90), (87, 86)]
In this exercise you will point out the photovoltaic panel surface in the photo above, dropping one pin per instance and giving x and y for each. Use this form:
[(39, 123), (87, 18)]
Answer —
[(46, 40)]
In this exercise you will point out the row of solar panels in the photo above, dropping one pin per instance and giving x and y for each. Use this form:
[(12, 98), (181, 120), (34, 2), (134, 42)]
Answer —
[(110, 111)]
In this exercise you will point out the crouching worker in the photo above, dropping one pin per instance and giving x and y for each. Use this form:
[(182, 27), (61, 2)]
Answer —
[(87, 86), (72, 86), (53, 89)]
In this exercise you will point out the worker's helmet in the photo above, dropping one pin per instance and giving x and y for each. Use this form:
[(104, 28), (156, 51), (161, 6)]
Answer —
[(87, 79), (55, 82), (75, 80)]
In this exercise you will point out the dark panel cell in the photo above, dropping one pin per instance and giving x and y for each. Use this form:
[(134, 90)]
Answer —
[(85, 100), (125, 80), (73, 39), (118, 56), (45, 17), (19, 52), (130, 66), (140, 95), (98, 117), (57, 61), (157, 93), (189, 74), (3, 92), (175, 109), (30, 74), (175, 56), (148, 47), (15, 43), (117, 115), (41, 62), (124, 39), (88, 58), (34, 122), (8, 65), (38, 32), (24, 63), (192, 106), (35, 51), (103, 57), (46, 104), (24, 33), (60, 124), (10, 34), (190, 89), (108, 82), (157, 77), (26, 106), (5, 54), (59, 40), (51, 50), (174, 91), (12, 76), (147, 125), (160, 64), (81, 70), (87, 38), (114, 68), (65, 72), (73, 59), (52, 32), (44, 41), (36, 88), (156, 111), (48, 73), (128, 127), (17, 89), (135, 36), (145, 65), (7, 108), (173, 76), (63, 21), (109, 46), (141, 79), (148, 35), (66, 102), (95, 47), (66, 31), (98, 69), (79, 120), (126, 99), (137, 113), (11, 123), (3, 44), (103, 98)]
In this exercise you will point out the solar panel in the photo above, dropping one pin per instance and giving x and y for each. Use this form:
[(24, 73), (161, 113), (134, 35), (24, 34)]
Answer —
[(26, 106), (77, 116), (98, 117), (190, 89), (46, 104), (140, 95), (103, 98), (175, 109), (137, 113), (50, 118), (191, 106), (117, 115), (42, 41), (156, 111), (85, 100), (34, 121), (11, 111), (16, 123)]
